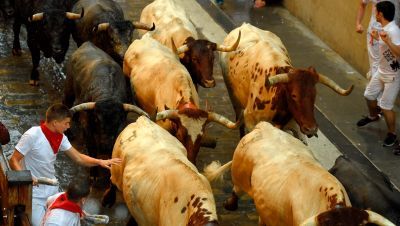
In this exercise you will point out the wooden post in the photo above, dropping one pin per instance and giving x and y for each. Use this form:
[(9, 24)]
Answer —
[(15, 191)]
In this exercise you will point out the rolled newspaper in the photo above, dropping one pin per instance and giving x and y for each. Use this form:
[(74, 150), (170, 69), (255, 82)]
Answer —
[(96, 219), (48, 181)]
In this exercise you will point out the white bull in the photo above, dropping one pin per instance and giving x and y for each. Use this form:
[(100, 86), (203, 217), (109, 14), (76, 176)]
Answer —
[(159, 185), (288, 185), (161, 83)]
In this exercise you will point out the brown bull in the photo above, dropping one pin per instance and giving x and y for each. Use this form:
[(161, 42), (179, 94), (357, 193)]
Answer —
[(174, 27), (288, 186), (162, 84), (261, 80)]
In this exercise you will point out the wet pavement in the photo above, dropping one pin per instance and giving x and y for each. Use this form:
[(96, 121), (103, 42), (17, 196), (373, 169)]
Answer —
[(22, 106)]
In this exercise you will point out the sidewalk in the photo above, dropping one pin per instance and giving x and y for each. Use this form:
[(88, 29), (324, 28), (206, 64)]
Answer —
[(336, 115)]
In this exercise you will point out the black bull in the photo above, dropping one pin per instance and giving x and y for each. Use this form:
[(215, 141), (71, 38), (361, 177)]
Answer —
[(368, 190), (6, 8), (48, 24), (104, 25), (96, 85)]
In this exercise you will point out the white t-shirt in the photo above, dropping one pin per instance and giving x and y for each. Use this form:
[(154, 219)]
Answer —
[(59, 217), (39, 158), (373, 24), (389, 63)]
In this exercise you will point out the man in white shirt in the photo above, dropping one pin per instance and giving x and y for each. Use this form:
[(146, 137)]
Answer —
[(386, 82), (37, 150), (65, 208)]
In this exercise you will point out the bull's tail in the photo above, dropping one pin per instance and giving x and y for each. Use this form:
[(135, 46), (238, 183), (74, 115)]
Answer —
[(215, 170)]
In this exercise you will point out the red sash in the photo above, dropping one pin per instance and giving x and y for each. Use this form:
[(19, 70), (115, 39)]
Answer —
[(53, 138), (62, 202)]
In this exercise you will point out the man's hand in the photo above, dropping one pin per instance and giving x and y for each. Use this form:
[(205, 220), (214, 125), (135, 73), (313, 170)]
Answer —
[(359, 28), (384, 36), (106, 163), (375, 34), (35, 182)]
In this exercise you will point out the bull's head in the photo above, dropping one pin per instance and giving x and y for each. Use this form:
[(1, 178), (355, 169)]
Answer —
[(118, 36), (190, 125), (300, 94), (6, 8), (106, 120), (54, 30), (348, 216), (198, 58)]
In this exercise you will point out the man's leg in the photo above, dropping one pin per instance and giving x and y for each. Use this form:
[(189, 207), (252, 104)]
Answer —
[(372, 91), (38, 211), (390, 118), (372, 108)]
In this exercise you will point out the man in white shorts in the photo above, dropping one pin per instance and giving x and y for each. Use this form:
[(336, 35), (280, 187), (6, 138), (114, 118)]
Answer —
[(65, 208), (38, 148), (386, 82)]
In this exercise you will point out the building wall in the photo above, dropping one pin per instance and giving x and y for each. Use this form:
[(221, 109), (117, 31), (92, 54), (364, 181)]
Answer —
[(334, 22)]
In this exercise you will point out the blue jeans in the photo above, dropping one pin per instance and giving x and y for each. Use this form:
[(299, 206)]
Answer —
[(219, 1)]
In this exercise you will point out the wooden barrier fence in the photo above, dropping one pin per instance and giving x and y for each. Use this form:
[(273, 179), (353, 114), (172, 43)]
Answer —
[(15, 195)]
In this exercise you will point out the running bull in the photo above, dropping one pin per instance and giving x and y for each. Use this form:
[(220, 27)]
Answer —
[(368, 190), (261, 80), (104, 25), (289, 187), (175, 28), (159, 185), (48, 24), (161, 83), (96, 88)]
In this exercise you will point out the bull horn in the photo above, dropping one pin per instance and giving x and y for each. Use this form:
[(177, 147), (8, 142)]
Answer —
[(182, 49), (231, 48), (103, 26), (378, 219), (83, 106), (133, 108), (279, 78), (166, 114), (310, 222), (173, 46), (215, 117), (333, 85), (36, 17), (140, 25), (74, 16)]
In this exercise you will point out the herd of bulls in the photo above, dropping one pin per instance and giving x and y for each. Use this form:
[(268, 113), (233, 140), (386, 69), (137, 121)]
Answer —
[(160, 73)]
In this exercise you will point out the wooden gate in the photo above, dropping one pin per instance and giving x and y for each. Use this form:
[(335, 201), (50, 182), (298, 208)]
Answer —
[(15, 195)]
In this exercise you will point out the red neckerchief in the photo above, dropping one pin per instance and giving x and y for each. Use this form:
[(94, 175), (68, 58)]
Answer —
[(53, 138), (62, 202)]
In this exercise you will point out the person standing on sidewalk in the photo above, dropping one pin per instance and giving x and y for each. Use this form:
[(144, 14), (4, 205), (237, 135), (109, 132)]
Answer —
[(386, 82), (37, 150)]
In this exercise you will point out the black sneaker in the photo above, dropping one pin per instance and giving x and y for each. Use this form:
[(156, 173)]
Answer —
[(390, 140), (364, 121)]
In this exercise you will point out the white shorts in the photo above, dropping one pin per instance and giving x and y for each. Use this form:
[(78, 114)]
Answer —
[(387, 85)]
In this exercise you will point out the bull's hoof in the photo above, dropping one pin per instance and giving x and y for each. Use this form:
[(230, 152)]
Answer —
[(231, 204), (16, 52), (34, 82)]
